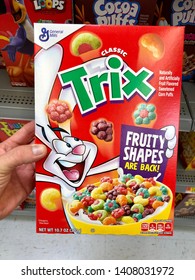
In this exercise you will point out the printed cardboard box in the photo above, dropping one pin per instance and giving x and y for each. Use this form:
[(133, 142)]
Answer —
[(17, 33), (187, 149), (9, 126), (114, 12), (180, 13), (2, 63), (185, 205), (107, 108)]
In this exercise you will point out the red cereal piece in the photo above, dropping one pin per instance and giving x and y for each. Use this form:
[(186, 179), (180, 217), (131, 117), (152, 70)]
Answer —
[(92, 216), (106, 179), (151, 200), (117, 213), (58, 111), (151, 180), (87, 201), (121, 189)]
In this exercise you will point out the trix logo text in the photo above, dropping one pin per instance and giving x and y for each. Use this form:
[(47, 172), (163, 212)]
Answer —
[(49, 4), (183, 12), (116, 12), (121, 81)]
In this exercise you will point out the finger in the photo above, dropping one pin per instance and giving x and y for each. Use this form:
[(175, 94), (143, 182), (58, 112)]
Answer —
[(23, 136), (21, 155)]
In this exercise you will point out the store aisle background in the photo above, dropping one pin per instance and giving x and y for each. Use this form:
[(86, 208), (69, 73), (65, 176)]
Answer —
[(18, 241)]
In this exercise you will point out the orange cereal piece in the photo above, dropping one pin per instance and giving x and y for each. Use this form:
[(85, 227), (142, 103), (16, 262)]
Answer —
[(121, 199), (147, 184), (106, 186), (157, 203), (154, 44), (109, 221), (75, 206), (115, 182)]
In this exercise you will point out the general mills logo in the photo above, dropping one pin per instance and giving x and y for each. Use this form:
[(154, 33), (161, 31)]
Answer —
[(44, 37)]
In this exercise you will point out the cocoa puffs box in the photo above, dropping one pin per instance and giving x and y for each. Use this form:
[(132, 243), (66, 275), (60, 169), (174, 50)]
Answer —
[(107, 104)]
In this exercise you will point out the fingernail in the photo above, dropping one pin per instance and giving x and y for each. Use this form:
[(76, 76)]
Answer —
[(38, 149)]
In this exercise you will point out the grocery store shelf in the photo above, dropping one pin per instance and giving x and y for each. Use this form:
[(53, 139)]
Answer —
[(186, 121), (28, 212), (189, 95), (184, 178), (15, 102), (188, 221)]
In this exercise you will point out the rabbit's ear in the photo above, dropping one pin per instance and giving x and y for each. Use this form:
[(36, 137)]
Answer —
[(45, 134), (44, 60), (43, 70)]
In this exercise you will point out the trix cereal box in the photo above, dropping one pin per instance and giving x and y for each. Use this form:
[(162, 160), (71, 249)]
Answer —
[(107, 104), (180, 13), (17, 33), (114, 12)]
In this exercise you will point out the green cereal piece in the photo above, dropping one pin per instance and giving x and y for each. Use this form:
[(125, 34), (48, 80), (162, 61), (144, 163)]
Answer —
[(159, 198), (126, 178), (85, 38), (98, 204), (136, 113), (110, 205), (144, 191), (129, 198), (146, 120), (164, 190), (138, 120), (140, 207), (90, 209), (151, 116), (141, 107), (102, 214), (79, 195), (86, 192), (138, 216), (150, 108)]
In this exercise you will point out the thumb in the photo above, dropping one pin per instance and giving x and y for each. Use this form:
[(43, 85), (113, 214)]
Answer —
[(23, 154)]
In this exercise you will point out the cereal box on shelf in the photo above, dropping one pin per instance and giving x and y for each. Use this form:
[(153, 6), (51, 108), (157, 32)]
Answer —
[(114, 12), (107, 105), (17, 33), (185, 205), (2, 63), (180, 13), (9, 126), (187, 149)]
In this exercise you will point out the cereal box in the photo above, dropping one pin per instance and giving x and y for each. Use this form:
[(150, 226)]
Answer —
[(107, 105), (180, 13), (185, 205), (2, 63), (187, 149), (114, 12), (17, 34), (9, 126)]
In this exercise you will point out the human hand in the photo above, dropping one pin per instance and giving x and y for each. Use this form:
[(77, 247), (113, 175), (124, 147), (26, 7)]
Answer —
[(18, 155)]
